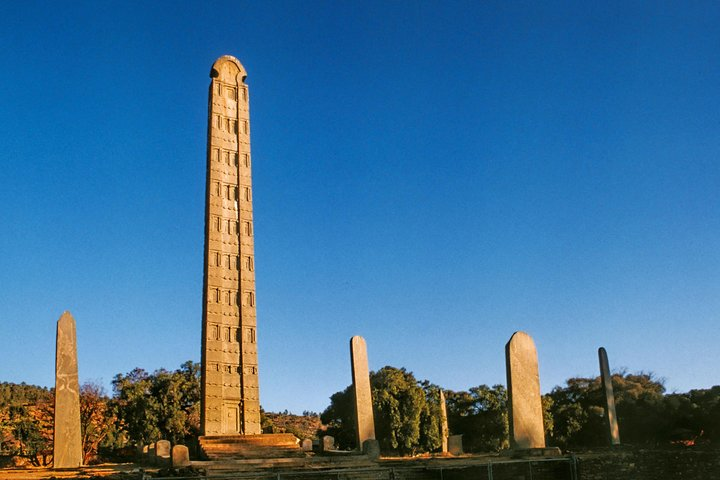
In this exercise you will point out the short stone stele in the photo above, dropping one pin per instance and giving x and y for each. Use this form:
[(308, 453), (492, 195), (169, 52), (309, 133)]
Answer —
[(306, 445), (67, 449), (364, 420), (162, 452), (180, 456), (611, 423), (525, 414), (327, 443)]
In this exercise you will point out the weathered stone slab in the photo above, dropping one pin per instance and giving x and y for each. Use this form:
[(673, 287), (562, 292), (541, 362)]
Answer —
[(327, 443), (611, 422), (306, 445), (455, 445), (180, 456), (364, 420), (444, 429), (67, 448), (525, 413), (162, 452)]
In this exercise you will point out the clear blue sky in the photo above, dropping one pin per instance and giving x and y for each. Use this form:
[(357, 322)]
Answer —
[(431, 175)]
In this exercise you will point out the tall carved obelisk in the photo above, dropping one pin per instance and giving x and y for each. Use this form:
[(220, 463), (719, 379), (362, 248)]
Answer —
[(67, 442), (230, 397)]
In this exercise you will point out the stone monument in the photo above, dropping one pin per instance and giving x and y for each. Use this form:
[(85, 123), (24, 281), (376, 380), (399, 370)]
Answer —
[(180, 456), (163, 453), (525, 414), (609, 403), (444, 429), (67, 444), (230, 397), (362, 396), (230, 403)]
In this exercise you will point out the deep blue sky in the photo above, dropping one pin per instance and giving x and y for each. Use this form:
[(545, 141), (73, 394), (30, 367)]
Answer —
[(431, 175)]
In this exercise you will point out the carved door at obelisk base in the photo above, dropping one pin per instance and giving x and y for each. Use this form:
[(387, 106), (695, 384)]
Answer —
[(231, 418)]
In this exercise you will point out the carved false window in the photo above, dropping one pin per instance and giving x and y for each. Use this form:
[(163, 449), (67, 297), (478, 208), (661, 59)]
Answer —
[(250, 299), (249, 264), (246, 160), (250, 335)]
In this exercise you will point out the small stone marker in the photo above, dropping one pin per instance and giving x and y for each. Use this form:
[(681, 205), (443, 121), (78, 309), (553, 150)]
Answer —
[(525, 414), (371, 448), (67, 445), (455, 446), (306, 445), (609, 403), (327, 443), (180, 456), (162, 452), (364, 420), (444, 430)]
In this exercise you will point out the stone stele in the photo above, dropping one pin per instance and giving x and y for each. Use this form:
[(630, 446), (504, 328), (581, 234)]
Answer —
[(444, 430), (364, 420), (162, 452), (180, 456), (67, 446), (230, 399), (306, 445), (327, 443), (609, 404), (525, 413)]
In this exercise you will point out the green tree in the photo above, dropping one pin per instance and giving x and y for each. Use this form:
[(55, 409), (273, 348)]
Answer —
[(162, 405), (480, 415), (398, 402), (339, 419)]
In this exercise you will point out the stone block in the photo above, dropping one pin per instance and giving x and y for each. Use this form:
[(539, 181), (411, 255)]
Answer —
[(525, 413), (455, 445), (180, 456), (306, 445), (67, 445)]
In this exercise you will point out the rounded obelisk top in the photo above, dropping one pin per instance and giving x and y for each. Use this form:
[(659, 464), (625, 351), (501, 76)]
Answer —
[(228, 64)]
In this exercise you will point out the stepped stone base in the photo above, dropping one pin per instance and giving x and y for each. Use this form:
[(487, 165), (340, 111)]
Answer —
[(269, 445)]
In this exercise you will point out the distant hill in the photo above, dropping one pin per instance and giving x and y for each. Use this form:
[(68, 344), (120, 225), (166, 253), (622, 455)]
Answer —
[(22, 393), (302, 426)]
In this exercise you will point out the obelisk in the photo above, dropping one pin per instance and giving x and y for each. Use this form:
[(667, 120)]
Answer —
[(525, 414), (362, 395), (611, 423), (67, 444), (230, 398), (444, 429)]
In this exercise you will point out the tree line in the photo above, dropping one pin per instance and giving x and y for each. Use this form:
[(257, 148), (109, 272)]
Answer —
[(407, 414), (145, 407)]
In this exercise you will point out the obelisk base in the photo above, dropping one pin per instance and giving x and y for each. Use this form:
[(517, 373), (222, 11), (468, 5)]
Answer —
[(266, 445)]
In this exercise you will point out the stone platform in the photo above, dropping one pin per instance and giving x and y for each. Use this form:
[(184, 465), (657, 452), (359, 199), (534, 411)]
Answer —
[(268, 445)]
